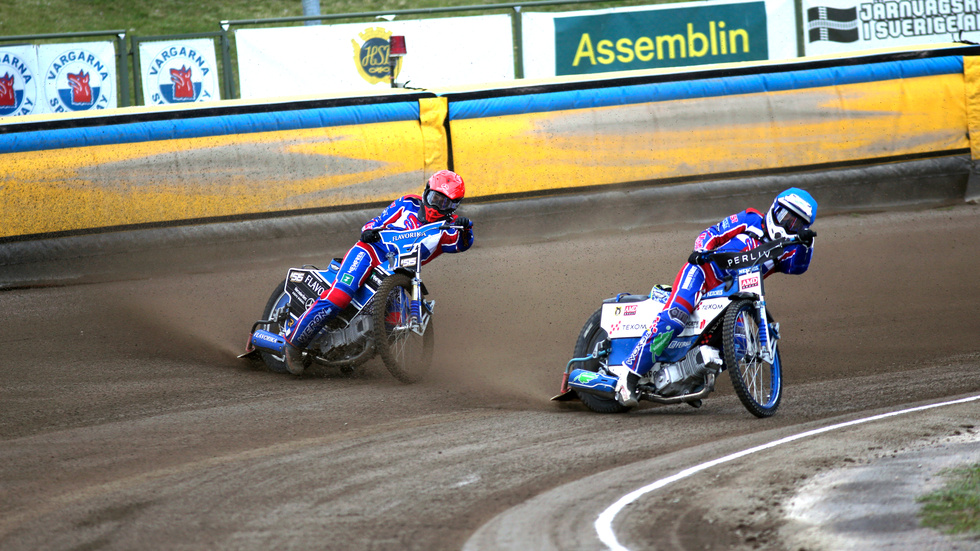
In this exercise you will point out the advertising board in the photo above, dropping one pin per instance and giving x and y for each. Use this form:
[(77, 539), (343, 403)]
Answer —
[(842, 26), (178, 71), (353, 57), (650, 37)]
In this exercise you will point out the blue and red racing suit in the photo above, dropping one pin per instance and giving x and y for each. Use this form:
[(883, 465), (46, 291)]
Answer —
[(738, 232), (403, 214)]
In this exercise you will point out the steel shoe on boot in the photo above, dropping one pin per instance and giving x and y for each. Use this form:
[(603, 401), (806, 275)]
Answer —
[(626, 389), (295, 361)]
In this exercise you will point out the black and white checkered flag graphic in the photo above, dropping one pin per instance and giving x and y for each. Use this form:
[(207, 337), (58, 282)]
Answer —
[(833, 24)]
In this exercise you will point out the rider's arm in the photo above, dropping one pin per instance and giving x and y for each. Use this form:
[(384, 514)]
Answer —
[(391, 215), (795, 260), (748, 221), (462, 241), (456, 240)]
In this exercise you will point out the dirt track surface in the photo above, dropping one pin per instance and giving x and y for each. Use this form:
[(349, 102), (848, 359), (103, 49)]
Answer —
[(126, 421)]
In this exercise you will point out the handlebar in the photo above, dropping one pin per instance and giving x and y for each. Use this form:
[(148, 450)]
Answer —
[(444, 226), (757, 255)]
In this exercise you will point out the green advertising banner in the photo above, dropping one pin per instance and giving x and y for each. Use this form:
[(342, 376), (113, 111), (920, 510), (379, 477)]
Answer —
[(669, 37)]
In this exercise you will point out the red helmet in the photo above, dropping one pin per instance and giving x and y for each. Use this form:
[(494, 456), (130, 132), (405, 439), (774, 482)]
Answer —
[(442, 195)]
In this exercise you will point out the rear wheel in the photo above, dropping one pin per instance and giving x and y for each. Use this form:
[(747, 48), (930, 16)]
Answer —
[(591, 335), (405, 352), (278, 300), (757, 383)]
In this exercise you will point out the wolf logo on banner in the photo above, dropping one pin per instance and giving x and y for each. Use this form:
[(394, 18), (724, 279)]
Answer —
[(8, 96), (833, 24), (17, 90), (81, 91), (183, 85)]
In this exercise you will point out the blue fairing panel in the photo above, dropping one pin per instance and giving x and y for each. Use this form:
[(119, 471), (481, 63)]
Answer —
[(621, 349)]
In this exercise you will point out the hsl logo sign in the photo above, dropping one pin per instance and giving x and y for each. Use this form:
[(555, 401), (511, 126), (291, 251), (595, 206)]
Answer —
[(371, 55)]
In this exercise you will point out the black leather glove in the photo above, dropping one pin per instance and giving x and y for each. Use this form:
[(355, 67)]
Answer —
[(699, 258), (370, 236), (806, 237), (463, 221)]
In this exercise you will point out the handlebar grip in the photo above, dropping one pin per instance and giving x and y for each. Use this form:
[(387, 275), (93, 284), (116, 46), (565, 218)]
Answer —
[(806, 236)]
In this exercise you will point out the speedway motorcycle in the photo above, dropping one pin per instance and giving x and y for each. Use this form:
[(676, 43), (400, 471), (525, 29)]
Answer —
[(731, 329), (387, 316)]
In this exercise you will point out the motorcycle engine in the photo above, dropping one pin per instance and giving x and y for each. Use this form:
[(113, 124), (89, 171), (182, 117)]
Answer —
[(346, 341), (683, 377)]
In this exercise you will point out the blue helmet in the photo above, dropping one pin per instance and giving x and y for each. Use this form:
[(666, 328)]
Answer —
[(792, 210)]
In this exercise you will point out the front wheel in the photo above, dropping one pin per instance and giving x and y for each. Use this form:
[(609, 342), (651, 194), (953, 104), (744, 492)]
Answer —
[(405, 349), (757, 383), (591, 335)]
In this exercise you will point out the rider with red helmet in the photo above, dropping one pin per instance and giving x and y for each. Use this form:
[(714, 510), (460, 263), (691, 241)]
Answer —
[(439, 201)]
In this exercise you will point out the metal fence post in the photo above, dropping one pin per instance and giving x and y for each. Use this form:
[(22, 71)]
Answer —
[(517, 28), (229, 77), (123, 67), (137, 72), (800, 28)]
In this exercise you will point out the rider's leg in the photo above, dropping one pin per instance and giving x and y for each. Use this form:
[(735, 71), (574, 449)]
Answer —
[(354, 269), (668, 323)]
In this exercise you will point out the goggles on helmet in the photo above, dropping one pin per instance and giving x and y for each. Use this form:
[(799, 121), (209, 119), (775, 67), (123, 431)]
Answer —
[(788, 220), (440, 201)]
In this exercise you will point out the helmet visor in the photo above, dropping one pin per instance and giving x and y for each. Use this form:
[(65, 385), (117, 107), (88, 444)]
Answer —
[(788, 220), (440, 201)]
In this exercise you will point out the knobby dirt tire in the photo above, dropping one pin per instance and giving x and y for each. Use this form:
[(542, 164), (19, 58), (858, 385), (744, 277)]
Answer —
[(758, 384), (407, 355), (274, 363), (592, 333)]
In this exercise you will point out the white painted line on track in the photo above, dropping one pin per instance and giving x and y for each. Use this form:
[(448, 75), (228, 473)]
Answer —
[(603, 524)]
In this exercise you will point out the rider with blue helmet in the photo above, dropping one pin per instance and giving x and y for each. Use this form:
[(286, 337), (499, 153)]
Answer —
[(791, 214)]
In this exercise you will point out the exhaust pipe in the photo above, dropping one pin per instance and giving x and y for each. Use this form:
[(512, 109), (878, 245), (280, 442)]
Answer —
[(269, 342)]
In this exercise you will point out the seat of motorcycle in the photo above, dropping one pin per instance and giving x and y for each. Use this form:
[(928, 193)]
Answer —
[(627, 298)]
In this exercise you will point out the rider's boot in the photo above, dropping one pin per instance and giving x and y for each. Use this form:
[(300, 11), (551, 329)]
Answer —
[(626, 386), (302, 332), (295, 362)]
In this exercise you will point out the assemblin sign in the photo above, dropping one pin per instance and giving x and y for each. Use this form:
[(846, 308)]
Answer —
[(665, 37)]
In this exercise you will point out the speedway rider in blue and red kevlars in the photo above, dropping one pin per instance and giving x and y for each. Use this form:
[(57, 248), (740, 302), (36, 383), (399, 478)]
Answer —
[(791, 213), (439, 201)]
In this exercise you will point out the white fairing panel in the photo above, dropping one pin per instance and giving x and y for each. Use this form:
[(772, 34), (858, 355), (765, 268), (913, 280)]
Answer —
[(629, 319), (704, 314)]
